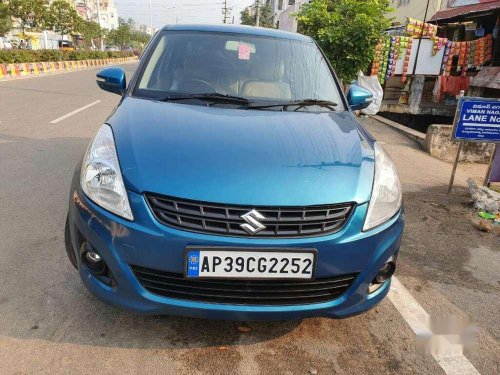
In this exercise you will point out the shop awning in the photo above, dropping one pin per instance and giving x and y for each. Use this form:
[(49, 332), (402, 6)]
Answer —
[(459, 13), (488, 77)]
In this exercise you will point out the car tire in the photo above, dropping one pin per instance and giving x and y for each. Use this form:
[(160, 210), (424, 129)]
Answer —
[(69, 246)]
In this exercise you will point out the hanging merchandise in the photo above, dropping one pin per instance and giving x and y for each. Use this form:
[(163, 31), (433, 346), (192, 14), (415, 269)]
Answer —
[(461, 54), (472, 54), (447, 59), (386, 44), (395, 54), (416, 29), (403, 45), (393, 58), (489, 47), (465, 65), (406, 63), (438, 44), (376, 59), (479, 55)]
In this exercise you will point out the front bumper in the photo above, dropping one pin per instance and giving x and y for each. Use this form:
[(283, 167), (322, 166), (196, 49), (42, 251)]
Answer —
[(147, 243)]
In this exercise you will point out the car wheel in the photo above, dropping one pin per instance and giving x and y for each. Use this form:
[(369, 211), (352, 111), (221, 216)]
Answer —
[(69, 246)]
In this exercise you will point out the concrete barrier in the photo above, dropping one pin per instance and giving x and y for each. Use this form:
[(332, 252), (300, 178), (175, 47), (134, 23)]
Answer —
[(33, 69), (439, 144), (410, 133)]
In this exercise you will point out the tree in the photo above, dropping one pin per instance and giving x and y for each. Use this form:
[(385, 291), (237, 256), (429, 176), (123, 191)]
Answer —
[(131, 23), (249, 16), (30, 13), (5, 16), (346, 30), (90, 31), (127, 35), (120, 36), (64, 19), (139, 38)]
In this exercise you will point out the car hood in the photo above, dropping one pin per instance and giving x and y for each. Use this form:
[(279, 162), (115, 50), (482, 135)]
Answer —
[(246, 157)]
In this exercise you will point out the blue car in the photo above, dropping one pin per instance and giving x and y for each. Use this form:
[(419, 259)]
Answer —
[(233, 181)]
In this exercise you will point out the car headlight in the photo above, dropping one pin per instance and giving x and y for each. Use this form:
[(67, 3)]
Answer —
[(101, 177), (386, 196)]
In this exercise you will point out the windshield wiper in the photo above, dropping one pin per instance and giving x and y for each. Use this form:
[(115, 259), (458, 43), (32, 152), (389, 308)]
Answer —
[(299, 104), (210, 96)]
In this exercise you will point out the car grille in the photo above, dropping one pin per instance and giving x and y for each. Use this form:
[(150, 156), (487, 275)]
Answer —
[(243, 292), (225, 219)]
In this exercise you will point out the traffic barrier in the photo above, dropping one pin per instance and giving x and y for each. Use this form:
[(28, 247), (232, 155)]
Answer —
[(23, 69), (37, 68)]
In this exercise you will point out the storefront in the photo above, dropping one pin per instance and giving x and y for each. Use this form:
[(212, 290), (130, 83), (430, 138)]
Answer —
[(426, 66)]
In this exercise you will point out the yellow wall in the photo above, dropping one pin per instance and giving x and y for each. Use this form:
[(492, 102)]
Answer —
[(413, 9)]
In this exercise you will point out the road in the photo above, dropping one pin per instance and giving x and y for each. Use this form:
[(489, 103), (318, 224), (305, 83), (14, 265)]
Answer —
[(50, 324)]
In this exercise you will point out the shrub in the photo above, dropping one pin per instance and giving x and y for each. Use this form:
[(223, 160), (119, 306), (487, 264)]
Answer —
[(27, 56)]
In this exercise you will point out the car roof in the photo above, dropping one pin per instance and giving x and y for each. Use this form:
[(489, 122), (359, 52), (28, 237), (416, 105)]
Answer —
[(238, 29)]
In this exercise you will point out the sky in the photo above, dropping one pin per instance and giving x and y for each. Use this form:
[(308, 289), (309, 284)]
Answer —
[(180, 11)]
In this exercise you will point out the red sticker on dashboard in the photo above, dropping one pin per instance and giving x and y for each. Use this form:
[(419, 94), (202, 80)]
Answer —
[(244, 51)]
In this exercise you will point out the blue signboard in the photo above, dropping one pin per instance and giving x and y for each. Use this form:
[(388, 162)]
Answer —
[(478, 120)]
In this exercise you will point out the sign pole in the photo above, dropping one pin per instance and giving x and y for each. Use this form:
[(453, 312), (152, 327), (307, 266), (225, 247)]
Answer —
[(490, 166), (452, 178), (455, 164)]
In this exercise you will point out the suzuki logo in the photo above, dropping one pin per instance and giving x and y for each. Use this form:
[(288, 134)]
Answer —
[(253, 222)]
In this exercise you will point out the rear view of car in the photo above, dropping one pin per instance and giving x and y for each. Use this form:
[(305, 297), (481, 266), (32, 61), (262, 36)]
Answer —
[(234, 182)]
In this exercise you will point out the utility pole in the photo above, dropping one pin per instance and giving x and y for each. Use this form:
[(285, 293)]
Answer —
[(99, 22), (225, 12), (151, 17), (420, 40), (257, 18)]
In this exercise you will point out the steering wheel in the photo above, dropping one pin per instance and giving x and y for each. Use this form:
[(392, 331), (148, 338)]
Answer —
[(196, 86)]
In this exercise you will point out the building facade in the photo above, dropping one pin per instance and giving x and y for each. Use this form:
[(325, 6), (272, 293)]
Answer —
[(415, 9), (284, 11), (104, 12)]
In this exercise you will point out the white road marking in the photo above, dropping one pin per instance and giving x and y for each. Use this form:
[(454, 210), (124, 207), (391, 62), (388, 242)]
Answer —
[(74, 112), (415, 316)]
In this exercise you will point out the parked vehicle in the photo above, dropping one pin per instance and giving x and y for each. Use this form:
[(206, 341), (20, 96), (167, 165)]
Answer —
[(233, 181), (112, 48), (65, 45)]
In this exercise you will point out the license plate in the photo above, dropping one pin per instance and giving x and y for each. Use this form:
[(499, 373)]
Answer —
[(249, 264)]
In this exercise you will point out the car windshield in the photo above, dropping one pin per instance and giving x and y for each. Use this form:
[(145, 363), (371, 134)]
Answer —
[(262, 70)]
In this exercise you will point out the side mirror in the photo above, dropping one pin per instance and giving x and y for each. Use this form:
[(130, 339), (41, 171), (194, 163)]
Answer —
[(359, 98), (112, 80)]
